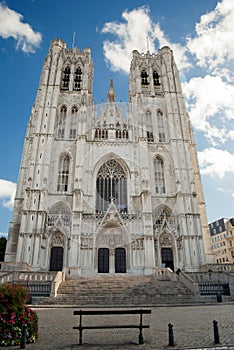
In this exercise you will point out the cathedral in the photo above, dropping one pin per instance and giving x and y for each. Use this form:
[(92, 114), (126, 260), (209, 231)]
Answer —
[(113, 187)]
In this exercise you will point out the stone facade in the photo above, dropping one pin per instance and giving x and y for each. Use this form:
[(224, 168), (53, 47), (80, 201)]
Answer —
[(109, 188)]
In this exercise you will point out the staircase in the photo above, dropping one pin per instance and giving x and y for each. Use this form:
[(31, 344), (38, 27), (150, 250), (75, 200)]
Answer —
[(122, 290)]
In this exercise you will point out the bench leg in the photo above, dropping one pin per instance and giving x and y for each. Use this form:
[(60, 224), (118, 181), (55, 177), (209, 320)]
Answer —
[(80, 336), (141, 339)]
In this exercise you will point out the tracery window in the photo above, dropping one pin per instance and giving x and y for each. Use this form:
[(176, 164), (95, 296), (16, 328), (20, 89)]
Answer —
[(77, 79), (63, 174), (66, 78), (121, 134), (59, 212), (149, 127), (73, 122), (156, 78), (61, 122), (144, 77), (111, 185), (161, 129), (159, 176)]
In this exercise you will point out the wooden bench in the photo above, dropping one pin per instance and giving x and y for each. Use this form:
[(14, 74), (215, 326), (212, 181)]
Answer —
[(139, 325)]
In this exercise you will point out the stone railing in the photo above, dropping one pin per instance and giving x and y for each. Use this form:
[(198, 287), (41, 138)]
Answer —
[(217, 267), (188, 282), (14, 266), (21, 276), (59, 278)]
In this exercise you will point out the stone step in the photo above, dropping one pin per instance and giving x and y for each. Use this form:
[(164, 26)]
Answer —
[(122, 290)]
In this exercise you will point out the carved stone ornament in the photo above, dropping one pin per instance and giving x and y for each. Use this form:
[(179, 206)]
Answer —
[(57, 239)]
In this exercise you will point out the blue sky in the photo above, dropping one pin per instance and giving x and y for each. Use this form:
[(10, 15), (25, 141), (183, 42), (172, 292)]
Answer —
[(199, 32)]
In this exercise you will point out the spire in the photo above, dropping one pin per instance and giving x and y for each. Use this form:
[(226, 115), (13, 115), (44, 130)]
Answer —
[(111, 95)]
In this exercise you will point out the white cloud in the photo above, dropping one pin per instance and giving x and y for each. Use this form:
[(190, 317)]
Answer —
[(213, 44), (7, 193), (216, 162), (3, 234), (132, 35), (11, 25), (228, 190), (210, 102)]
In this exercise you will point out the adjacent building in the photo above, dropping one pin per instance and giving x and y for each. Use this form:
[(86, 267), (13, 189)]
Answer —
[(111, 187), (222, 240)]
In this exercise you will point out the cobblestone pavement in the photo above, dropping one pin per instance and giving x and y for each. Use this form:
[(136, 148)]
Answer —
[(192, 327)]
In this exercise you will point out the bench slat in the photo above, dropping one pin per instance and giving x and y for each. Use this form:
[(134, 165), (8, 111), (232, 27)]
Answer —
[(115, 326), (111, 312)]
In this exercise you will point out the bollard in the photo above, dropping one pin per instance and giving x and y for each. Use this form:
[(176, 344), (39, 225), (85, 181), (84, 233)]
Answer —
[(216, 332), (23, 337), (170, 335)]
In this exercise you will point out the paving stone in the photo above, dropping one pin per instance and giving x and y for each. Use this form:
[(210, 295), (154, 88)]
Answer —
[(192, 326)]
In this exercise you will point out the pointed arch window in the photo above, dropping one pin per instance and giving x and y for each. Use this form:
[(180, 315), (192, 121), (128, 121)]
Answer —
[(73, 122), (77, 79), (144, 77), (111, 185), (149, 127), (66, 78), (159, 176), (161, 128), (61, 122), (156, 78), (63, 174)]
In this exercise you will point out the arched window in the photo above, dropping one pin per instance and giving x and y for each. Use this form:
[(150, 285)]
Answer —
[(159, 175), (77, 79), (73, 122), (144, 77), (161, 129), (66, 78), (149, 127), (63, 174), (156, 78), (61, 122), (111, 185)]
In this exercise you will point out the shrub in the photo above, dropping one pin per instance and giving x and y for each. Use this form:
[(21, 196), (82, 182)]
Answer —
[(14, 315)]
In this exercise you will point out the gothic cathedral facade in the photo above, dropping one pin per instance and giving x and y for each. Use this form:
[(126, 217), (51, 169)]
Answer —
[(109, 188)]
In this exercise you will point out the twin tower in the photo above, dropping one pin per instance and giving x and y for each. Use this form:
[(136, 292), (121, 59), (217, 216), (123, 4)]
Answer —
[(109, 188)]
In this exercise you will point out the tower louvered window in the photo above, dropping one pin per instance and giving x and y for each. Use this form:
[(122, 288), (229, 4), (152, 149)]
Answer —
[(111, 185), (144, 77), (66, 78), (156, 78), (159, 176), (77, 79)]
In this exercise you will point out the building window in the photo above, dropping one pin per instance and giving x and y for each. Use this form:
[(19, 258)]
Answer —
[(72, 134), (61, 122), (149, 127), (121, 134), (77, 79), (63, 174), (156, 78), (161, 129), (159, 175), (66, 78), (144, 77), (111, 186)]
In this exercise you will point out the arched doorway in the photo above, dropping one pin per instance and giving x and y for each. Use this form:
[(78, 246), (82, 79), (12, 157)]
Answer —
[(56, 259), (120, 260), (103, 260), (167, 258)]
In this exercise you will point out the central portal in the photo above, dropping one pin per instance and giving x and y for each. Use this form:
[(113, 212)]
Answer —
[(120, 260), (104, 260)]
